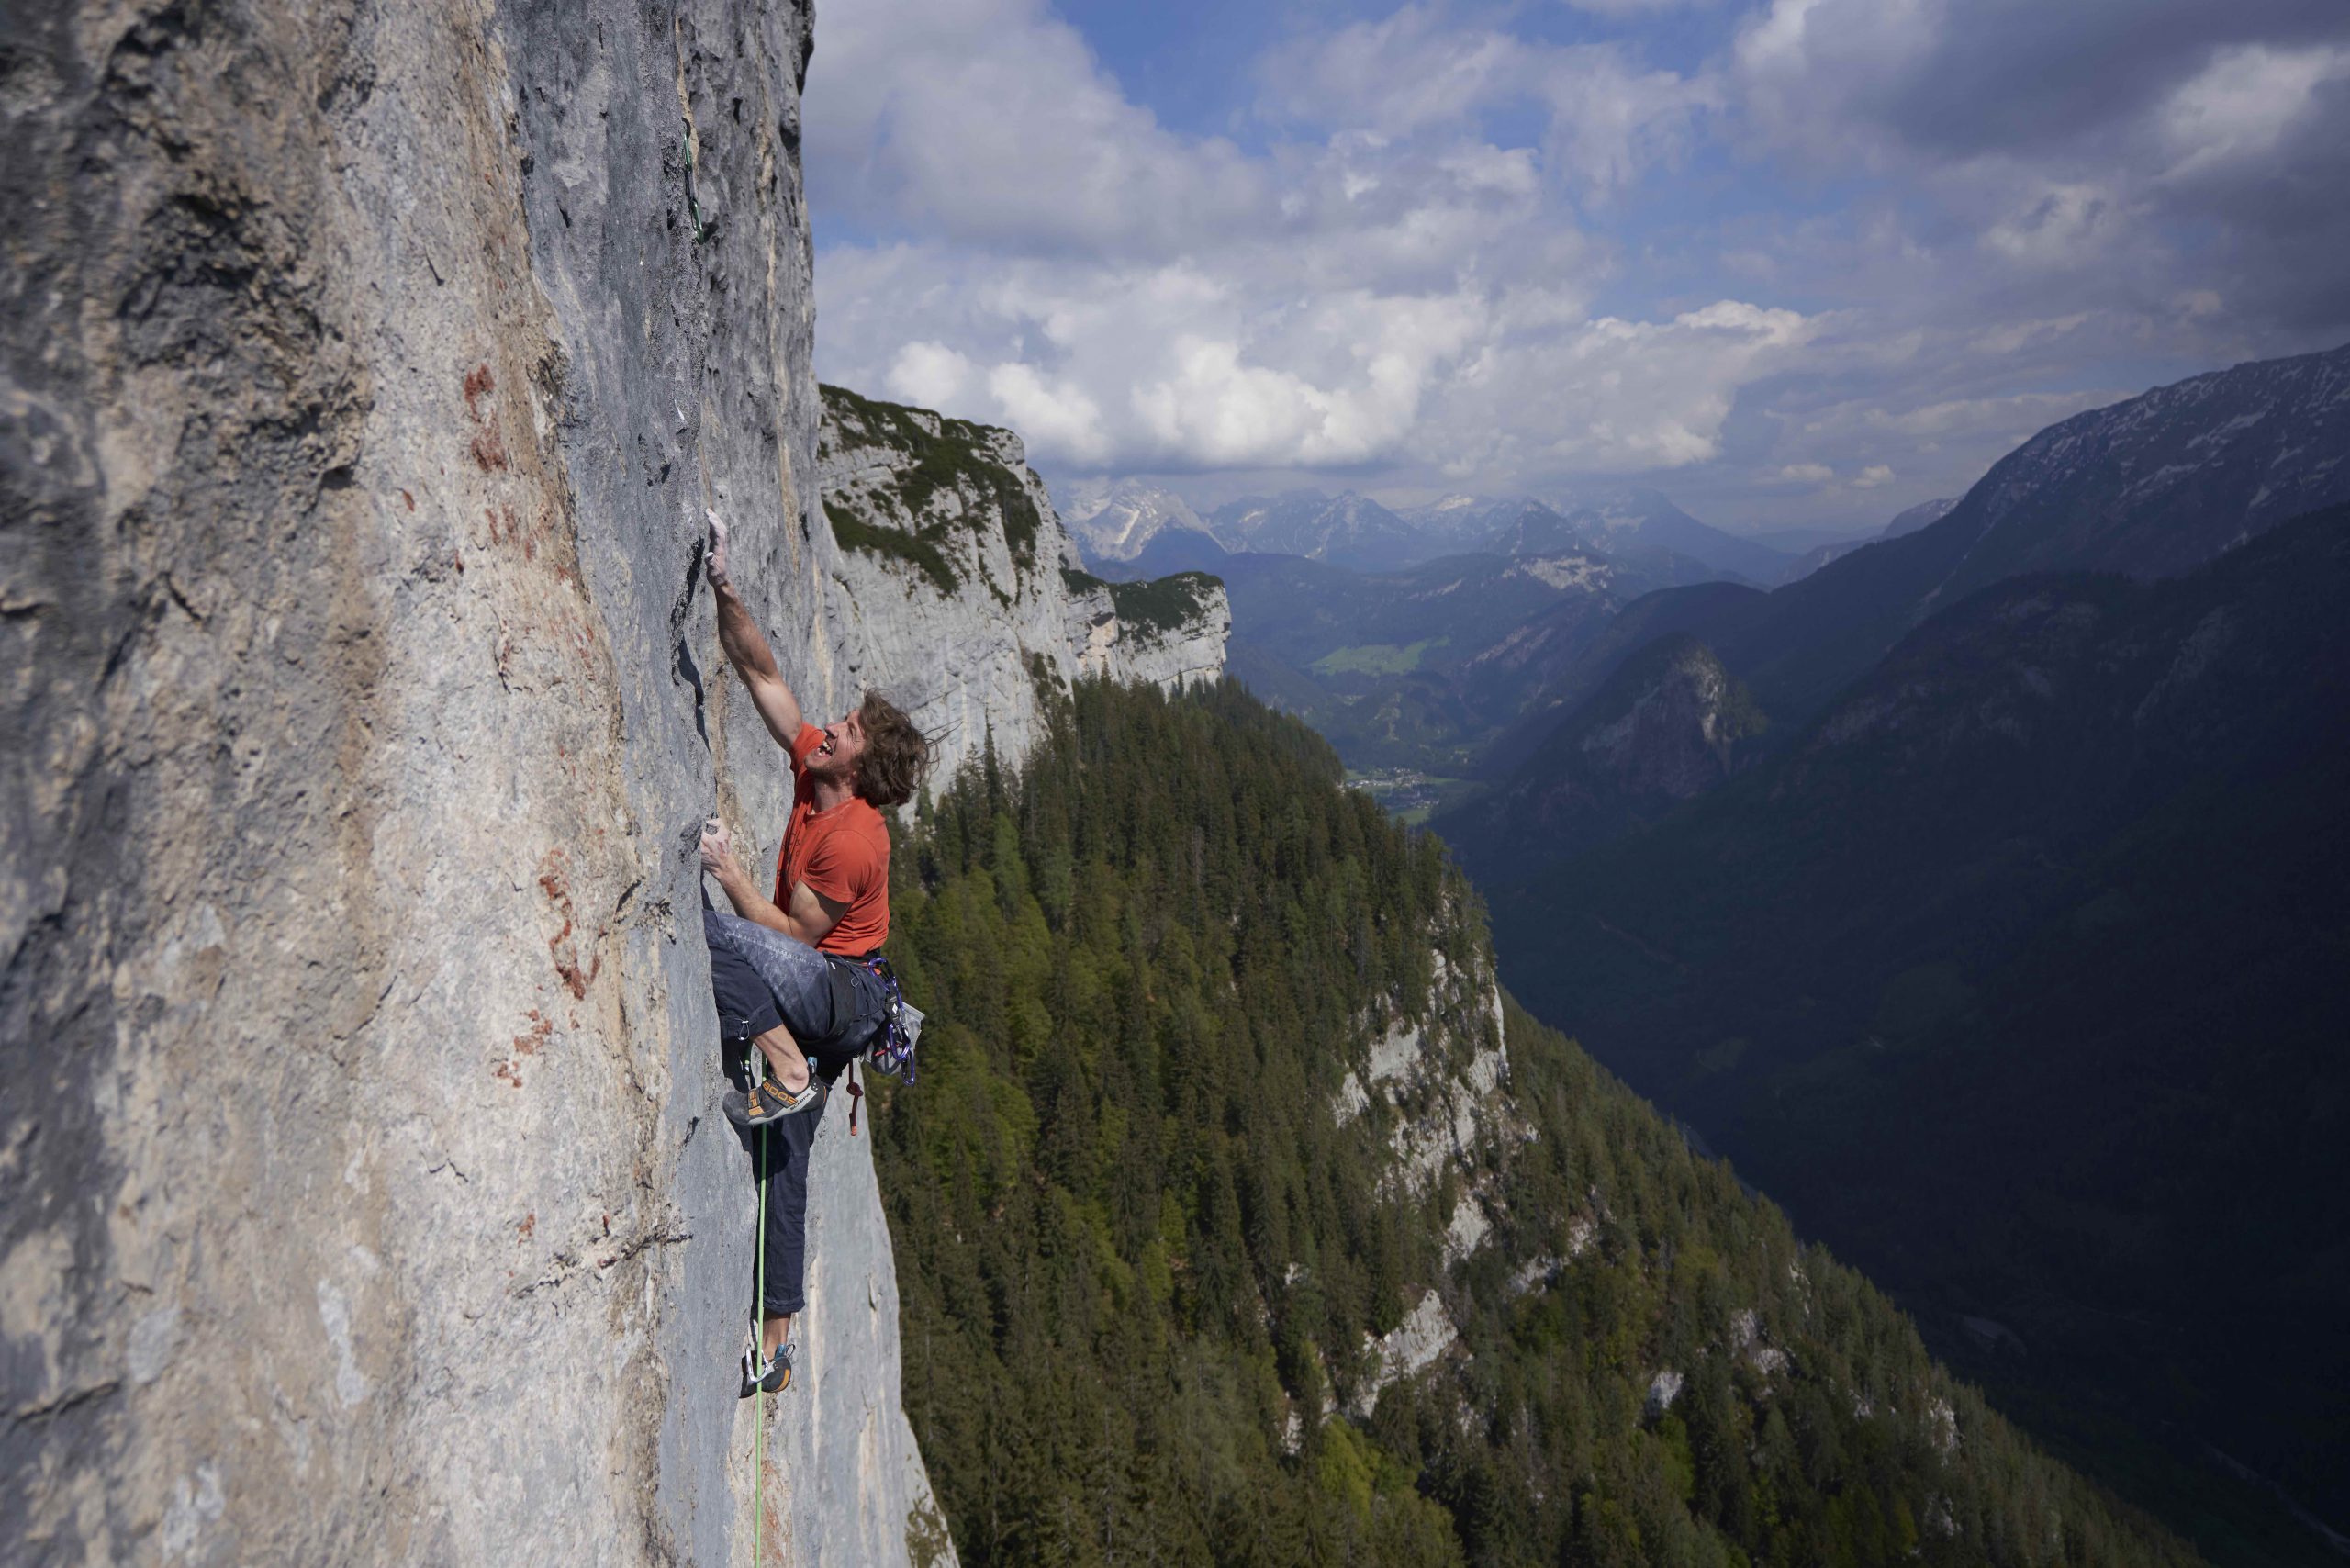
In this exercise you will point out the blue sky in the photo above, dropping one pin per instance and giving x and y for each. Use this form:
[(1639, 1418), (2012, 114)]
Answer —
[(1795, 262)]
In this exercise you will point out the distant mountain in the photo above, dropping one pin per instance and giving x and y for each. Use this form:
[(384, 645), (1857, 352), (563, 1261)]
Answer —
[(1458, 521), (1169, 550), (1529, 530), (1817, 557), (1532, 527), (1909, 522), (1347, 529), (2018, 975), (1417, 666), (1639, 528), (2164, 482), (2150, 488), (1797, 541), (1669, 725), (1115, 519), (1597, 656), (1920, 516), (1647, 519), (1417, 669)]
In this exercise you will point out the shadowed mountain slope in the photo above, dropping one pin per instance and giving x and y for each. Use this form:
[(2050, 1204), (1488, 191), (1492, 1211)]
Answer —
[(2149, 488), (1670, 725), (2020, 976)]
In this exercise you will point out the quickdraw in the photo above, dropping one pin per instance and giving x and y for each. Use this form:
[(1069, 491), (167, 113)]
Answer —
[(892, 1050), (703, 232)]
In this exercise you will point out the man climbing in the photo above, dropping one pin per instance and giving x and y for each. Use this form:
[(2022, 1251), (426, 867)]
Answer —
[(798, 974)]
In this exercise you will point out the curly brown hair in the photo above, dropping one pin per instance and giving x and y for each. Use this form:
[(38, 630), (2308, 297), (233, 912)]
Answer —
[(896, 754)]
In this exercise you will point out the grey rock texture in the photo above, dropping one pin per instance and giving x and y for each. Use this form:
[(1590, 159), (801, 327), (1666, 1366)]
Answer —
[(1408, 1349), (962, 596), (364, 374), (1433, 1084)]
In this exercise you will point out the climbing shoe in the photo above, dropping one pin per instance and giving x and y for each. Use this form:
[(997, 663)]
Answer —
[(768, 1102), (767, 1377)]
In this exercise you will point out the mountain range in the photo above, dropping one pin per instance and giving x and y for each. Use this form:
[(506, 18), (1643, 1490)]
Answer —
[(1835, 548), (1424, 666), (1982, 895), (1346, 529), (1920, 516), (2019, 976), (2095, 493), (2150, 487), (1116, 521), (1415, 668)]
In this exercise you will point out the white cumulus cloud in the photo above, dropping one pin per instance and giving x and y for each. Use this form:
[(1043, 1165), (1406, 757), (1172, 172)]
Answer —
[(1459, 244), (1380, 285)]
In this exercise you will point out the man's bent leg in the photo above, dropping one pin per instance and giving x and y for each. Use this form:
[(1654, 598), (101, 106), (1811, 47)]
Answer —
[(795, 976), (785, 1062), (746, 1003)]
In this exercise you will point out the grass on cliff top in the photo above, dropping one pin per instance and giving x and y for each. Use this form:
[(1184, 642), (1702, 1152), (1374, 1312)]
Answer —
[(851, 532), (1154, 606), (957, 458)]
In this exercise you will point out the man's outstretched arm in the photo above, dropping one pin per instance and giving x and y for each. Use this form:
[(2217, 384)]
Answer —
[(746, 646)]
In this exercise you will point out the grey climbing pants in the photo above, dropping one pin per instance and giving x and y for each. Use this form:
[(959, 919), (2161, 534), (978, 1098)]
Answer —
[(760, 977)]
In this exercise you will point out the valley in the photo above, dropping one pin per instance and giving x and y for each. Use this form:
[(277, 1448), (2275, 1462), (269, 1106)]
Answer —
[(1408, 795), (1978, 890), (1243, 1219), (1446, 655)]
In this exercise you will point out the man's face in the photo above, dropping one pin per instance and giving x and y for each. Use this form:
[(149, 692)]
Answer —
[(843, 743)]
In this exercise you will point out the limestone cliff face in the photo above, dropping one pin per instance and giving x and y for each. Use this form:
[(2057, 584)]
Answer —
[(365, 373), (1431, 1083), (958, 586)]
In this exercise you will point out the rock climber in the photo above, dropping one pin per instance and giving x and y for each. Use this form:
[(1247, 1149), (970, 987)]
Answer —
[(796, 974)]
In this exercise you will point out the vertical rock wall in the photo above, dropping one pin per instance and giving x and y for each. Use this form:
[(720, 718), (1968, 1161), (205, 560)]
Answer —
[(364, 370)]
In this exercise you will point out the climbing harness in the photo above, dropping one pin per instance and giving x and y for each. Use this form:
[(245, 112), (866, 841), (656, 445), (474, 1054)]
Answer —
[(892, 1050)]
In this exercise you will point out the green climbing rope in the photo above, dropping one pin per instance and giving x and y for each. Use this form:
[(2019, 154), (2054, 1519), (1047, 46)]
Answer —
[(759, 1339)]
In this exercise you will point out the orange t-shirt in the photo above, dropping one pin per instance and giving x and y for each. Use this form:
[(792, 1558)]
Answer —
[(842, 854)]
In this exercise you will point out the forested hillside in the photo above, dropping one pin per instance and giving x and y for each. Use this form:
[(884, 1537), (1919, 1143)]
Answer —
[(1145, 1236)]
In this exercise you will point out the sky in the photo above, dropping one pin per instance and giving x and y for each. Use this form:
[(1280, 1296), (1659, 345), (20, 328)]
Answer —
[(1796, 263)]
